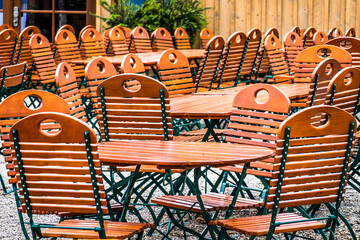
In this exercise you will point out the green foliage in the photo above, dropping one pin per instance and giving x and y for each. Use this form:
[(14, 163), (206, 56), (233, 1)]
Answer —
[(170, 14)]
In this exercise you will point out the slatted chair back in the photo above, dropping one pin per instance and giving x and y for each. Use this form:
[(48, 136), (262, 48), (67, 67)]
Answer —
[(293, 45), (14, 108), (92, 44), (351, 45), (181, 39), (320, 79), (23, 51), (308, 36), (296, 29), (233, 58), (208, 69), (108, 47), (131, 63), (127, 32), (277, 61), (343, 90), (141, 40), (254, 42), (67, 50), (307, 60), (205, 36), (142, 114), (8, 41), (313, 159), (96, 71), (83, 29), (350, 32), (174, 72), (161, 40), (320, 38), (66, 27), (5, 26), (118, 41), (12, 79), (43, 57), (334, 33), (67, 88)]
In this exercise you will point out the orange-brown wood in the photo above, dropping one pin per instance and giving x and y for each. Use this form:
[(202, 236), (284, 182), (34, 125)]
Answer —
[(351, 45), (83, 29), (263, 58), (118, 41), (181, 39), (293, 44), (66, 27), (131, 63), (127, 32), (205, 36), (350, 32), (254, 38), (334, 33), (8, 44), (308, 36), (161, 40), (141, 39), (296, 29), (25, 54), (14, 75), (5, 26), (320, 38), (92, 44)]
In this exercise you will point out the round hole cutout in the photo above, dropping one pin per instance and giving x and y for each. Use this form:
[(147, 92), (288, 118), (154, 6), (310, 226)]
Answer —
[(162, 32), (30, 32), (261, 96), (50, 127), (132, 63), (38, 40), (65, 36), (328, 69), (32, 102), (92, 34), (348, 79), (172, 58), (324, 53), (319, 120), (132, 85), (100, 66)]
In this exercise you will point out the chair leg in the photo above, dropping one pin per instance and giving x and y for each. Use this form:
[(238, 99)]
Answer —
[(3, 184), (21, 218)]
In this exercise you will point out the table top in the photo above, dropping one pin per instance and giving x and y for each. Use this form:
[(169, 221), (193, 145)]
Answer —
[(217, 104), (184, 155), (147, 58)]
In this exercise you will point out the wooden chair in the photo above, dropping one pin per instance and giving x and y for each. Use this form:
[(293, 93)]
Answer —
[(12, 79), (161, 40), (5, 26), (67, 50), (297, 30), (174, 72), (307, 37), (351, 45), (205, 36), (252, 50), (131, 63), (276, 57), (66, 27), (108, 48), (127, 32), (233, 59), (117, 41), (23, 51), (83, 29), (293, 45), (320, 38), (92, 44), (141, 40), (44, 62), (75, 181), (309, 168), (181, 39), (8, 41), (350, 32), (207, 72), (334, 33)]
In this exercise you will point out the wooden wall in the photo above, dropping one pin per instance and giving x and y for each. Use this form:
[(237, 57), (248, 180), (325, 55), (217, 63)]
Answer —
[(228, 16)]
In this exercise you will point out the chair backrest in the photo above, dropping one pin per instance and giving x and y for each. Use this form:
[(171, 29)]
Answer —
[(108, 46), (118, 41), (351, 45), (208, 69), (161, 40), (96, 71), (23, 51), (276, 56), (205, 36), (131, 63), (5, 26), (12, 79), (233, 58), (43, 58), (61, 170), (320, 38), (127, 32), (92, 44), (14, 108), (307, 60), (320, 79), (253, 45), (350, 32), (293, 44), (343, 90), (8, 40), (181, 39), (142, 114), (141, 40), (296, 29), (66, 27), (307, 37), (67, 88), (174, 72), (311, 161), (334, 33), (258, 111), (83, 29)]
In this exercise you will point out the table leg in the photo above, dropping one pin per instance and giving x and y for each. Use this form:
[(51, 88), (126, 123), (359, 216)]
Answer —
[(210, 124)]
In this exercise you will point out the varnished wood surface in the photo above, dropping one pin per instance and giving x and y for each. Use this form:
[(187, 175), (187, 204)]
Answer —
[(148, 58), (218, 104), (171, 154)]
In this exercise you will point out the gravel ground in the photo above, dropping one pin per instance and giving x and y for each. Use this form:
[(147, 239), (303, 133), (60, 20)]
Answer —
[(10, 228)]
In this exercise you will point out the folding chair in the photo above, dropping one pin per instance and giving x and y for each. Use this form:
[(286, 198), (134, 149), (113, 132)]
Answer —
[(66, 27), (293, 45), (65, 188), (12, 79), (181, 39), (350, 32), (129, 43), (161, 40), (307, 37), (92, 44), (334, 33), (252, 50), (205, 36), (311, 165), (297, 30), (131, 63), (5, 26), (141, 40), (320, 38), (8, 41), (349, 44), (117, 41)]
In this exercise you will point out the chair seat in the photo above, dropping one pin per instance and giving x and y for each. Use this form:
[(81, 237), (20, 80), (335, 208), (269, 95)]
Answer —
[(259, 225), (212, 202), (115, 230)]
